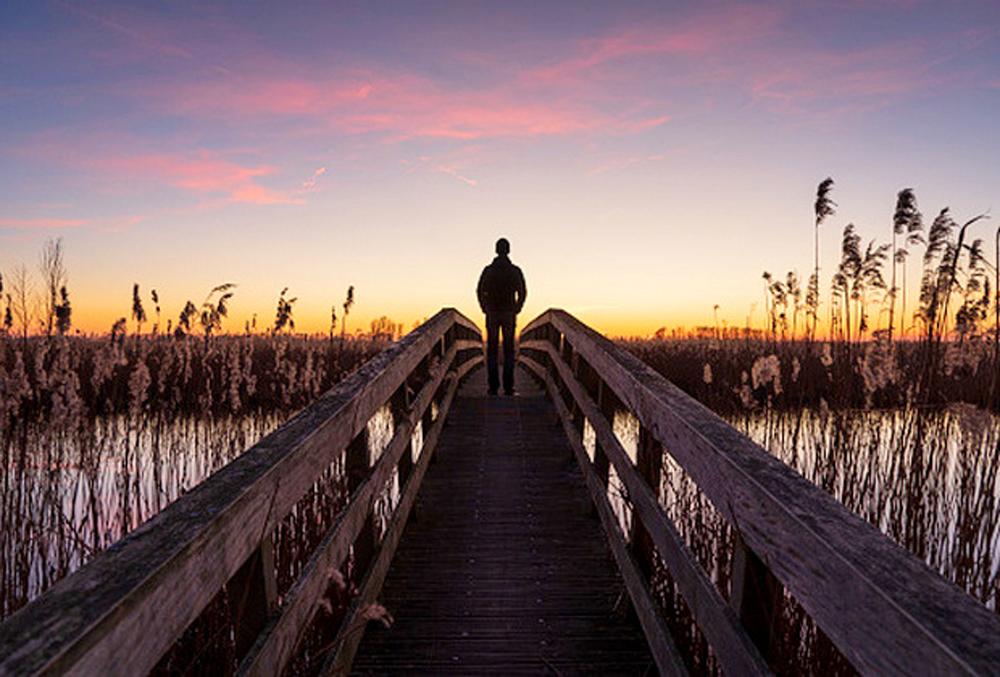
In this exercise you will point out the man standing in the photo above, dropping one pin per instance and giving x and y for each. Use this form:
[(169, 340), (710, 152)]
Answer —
[(501, 293)]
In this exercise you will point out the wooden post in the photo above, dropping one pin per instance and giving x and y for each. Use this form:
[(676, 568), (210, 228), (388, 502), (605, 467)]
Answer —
[(604, 397), (588, 379), (756, 596), (649, 462), (253, 595), (356, 466), (446, 341)]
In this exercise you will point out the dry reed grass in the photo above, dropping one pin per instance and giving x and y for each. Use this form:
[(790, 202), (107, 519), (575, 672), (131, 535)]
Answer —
[(99, 434)]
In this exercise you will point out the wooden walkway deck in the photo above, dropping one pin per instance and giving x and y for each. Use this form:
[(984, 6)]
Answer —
[(505, 569)]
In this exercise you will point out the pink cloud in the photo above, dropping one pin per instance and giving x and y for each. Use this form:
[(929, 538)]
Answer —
[(700, 36), (203, 174), (262, 196), (309, 186), (754, 50), (400, 106), (43, 224), (112, 224)]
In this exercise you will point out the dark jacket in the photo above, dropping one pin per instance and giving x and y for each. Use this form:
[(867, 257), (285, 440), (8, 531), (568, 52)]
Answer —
[(501, 287)]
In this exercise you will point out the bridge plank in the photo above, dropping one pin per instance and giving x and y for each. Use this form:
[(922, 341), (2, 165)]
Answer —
[(668, 658), (347, 642), (716, 618), (276, 645), (503, 571)]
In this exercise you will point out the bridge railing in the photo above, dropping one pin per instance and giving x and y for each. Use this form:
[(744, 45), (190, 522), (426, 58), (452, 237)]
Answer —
[(124, 610), (885, 610)]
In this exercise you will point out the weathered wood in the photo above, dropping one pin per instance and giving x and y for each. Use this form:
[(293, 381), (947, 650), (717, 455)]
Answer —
[(353, 627), (668, 658), (649, 462), (504, 572), (884, 609), (356, 468), (253, 594), (756, 597), (125, 608), (276, 644), (729, 640)]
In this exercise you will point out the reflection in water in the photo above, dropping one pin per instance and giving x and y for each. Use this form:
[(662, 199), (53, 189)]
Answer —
[(380, 430), (417, 441), (626, 429), (589, 439), (77, 493), (927, 479)]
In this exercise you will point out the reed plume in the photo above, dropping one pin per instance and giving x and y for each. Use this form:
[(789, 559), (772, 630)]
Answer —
[(823, 207)]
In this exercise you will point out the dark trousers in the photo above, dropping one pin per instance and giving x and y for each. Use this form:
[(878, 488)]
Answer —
[(495, 322)]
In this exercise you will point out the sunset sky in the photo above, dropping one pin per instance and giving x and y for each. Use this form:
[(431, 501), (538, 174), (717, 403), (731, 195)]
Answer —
[(647, 161)]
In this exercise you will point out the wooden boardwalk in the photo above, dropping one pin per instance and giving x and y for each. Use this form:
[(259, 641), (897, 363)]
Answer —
[(503, 566), (504, 569)]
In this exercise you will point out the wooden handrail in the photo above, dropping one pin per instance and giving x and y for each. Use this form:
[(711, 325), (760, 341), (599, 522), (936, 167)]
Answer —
[(123, 610), (886, 611)]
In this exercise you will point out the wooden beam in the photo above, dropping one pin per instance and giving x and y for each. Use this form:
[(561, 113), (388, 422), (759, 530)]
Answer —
[(661, 645), (253, 594), (276, 645), (757, 595), (717, 620), (353, 627), (126, 607), (886, 611)]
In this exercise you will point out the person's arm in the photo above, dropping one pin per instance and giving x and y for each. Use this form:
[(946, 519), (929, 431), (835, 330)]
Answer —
[(481, 290), (522, 290)]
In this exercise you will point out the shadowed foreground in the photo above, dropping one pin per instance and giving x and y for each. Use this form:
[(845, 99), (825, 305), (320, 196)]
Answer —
[(504, 569)]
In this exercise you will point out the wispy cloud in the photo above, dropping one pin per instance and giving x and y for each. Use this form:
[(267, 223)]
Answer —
[(825, 82), (625, 162), (262, 196), (207, 174), (399, 106), (442, 166), (134, 36), (43, 224), (49, 224), (703, 35), (309, 186), (625, 80), (204, 174), (757, 50)]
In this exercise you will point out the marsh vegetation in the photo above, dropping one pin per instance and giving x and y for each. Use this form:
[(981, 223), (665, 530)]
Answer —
[(893, 412)]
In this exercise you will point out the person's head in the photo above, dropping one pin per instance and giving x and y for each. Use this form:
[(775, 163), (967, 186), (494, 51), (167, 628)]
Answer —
[(503, 247)]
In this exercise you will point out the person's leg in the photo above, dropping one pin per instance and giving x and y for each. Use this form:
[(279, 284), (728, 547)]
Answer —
[(508, 352), (492, 331)]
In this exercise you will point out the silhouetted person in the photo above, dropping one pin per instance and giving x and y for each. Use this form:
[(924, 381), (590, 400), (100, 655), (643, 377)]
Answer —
[(501, 293)]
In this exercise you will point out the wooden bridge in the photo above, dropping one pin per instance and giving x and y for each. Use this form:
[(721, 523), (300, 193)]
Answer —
[(506, 535)]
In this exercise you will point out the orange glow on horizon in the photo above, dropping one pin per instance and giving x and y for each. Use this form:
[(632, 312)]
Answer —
[(614, 325)]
